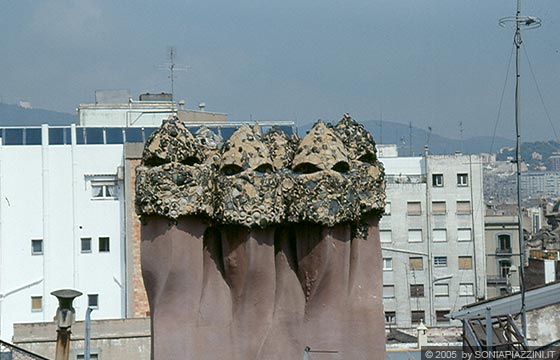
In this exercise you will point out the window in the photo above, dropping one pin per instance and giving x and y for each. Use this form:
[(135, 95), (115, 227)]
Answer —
[(464, 235), (416, 263), (103, 244), (85, 245), (104, 189), (440, 235), (387, 264), (466, 290), (504, 243), (437, 180), (388, 208), (415, 235), (37, 247), (414, 208), (416, 291), (390, 317), (462, 179), (463, 207), (440, 316), (441, 290), (385, 236), (93, 301), (417, 316), (439, 208), (465, 262), (36, 303), (388, 291), (440, 261), (92, 356), (503, 268)]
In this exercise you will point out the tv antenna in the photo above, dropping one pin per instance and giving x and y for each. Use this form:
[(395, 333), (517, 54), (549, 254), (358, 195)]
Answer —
[(461, 136), (410, 138), (172, 67), (519, 23)]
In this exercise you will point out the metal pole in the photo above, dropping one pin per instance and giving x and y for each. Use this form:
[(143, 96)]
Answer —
[(63, 344), (518, 42), (308, 350), (527, 23), (473, 227), (87, 336), (430, 284), (489, 332)]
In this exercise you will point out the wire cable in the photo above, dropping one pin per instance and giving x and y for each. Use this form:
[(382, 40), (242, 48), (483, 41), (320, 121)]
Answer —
[(539, 92), (502, 99)]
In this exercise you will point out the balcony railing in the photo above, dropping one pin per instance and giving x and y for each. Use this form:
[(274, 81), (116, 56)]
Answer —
[(504, 251), (496, 279), (405, 179)]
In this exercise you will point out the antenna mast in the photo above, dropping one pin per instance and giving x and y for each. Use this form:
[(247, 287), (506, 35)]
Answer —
[(428, 137), (528, 23), (381, 126), (461, 136), (172, 67), (410, 137)]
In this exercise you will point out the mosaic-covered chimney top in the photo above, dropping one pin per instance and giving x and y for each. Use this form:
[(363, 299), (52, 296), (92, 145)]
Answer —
[(330, 176)]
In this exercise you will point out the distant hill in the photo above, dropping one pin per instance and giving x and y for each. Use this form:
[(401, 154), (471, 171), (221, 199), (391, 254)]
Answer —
[(397, 133), (535, 154), (13, 115)]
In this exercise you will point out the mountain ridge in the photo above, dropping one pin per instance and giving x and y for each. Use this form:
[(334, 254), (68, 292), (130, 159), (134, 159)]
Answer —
[(400, 134), (14, 115)]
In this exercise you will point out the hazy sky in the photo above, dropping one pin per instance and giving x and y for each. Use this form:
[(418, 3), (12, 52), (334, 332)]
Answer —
[(432, 62)]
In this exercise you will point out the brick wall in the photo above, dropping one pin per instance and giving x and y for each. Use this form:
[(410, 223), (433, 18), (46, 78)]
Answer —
[(137, 300)]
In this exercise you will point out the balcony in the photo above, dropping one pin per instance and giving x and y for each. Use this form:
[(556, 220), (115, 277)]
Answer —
[(496, 280), (405, 179), (503, 251)]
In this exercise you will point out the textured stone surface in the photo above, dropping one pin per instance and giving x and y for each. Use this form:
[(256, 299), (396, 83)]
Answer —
[(259, 246), (247, 187), (171, 181), (366, 172), (172, 142), (320, 149), (174, 190), (282, 148), (321, 191), (209, 143)]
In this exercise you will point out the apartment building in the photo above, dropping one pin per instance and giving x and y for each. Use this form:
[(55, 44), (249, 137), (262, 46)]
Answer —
[(432, 237)]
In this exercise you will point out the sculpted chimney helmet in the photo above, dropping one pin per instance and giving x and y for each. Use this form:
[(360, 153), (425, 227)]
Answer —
[(171, 180), (247, 188), (322, 192)]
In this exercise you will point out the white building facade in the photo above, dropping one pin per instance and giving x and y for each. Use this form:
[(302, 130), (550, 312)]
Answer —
[(432, 237), (61, 226)]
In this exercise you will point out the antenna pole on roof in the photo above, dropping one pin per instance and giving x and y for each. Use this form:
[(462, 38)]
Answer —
[(172, 67), (410, 137), (528, 23)]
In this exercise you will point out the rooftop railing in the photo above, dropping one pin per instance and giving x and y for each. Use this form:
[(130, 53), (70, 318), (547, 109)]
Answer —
[(62, 135)]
